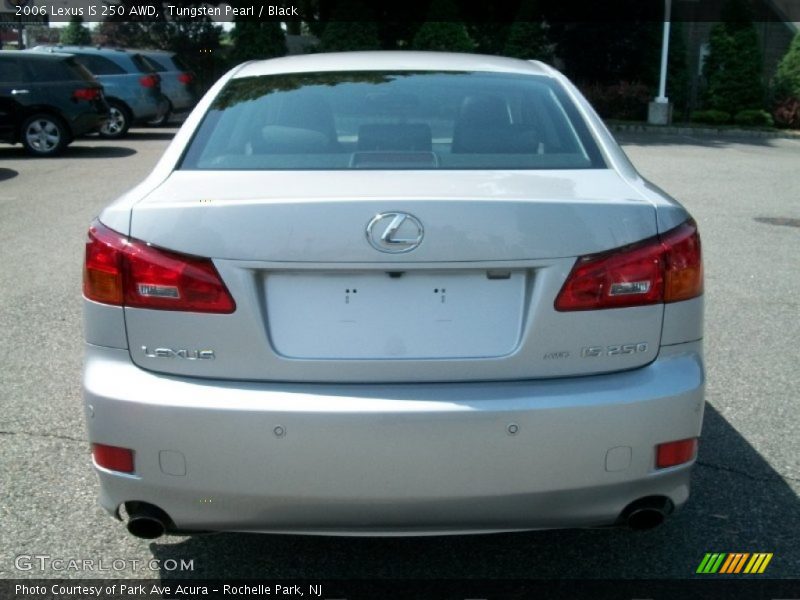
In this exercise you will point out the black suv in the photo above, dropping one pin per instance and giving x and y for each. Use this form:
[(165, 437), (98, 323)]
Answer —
[(47, 100)]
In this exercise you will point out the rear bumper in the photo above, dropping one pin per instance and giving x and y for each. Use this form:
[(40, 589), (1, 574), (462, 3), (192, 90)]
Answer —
[(180, 97), (148, 107), (88, 122), (385, 459)]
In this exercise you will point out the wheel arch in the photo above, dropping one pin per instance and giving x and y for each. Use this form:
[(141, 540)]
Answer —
[(124, 105)]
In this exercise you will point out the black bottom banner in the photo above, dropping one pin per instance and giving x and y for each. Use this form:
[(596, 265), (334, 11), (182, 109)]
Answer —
[(416, 589)]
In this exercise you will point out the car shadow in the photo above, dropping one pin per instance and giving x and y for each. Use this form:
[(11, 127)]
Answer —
[(81, 149), (152, 134), (739, 503), (7, 174), (84, 151)]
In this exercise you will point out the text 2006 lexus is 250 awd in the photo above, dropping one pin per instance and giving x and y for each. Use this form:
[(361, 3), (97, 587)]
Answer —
[(389, 293)]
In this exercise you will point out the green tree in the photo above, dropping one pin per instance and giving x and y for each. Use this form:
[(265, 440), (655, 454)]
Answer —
[(786, 83), (607, 52), (122, 34), (488, 23), (76, 33), (528, 40), (528, 36), (185, 36), (352, 27), (257, 39), (733, 65), (445, 36), (489, 36), (443, 30)]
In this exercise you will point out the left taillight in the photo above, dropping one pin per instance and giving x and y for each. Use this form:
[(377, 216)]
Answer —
[(87, 94), (127, 272), (665, 268), (149, 81)]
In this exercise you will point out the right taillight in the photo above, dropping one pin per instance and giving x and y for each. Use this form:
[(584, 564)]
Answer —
[(127, 272), (149, 81), (683, 278), (87, 94), (665, 268)]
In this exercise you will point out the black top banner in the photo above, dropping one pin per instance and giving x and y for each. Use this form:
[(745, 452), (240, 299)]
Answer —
[(551, 11)]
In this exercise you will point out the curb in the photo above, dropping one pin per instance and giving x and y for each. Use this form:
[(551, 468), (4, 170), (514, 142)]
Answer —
[(717, 131)]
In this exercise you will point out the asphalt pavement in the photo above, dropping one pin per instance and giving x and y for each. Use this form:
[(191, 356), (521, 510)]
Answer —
[(745, 494)]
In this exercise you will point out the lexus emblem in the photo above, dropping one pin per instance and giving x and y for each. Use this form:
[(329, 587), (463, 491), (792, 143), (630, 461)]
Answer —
[(395, 232)]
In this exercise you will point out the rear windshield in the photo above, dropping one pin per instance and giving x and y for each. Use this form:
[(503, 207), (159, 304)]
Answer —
[(142, 64), (99, 65), (182, 66), (57, 70), (165, 62), (79, 71), (383, 120), (157, 65), (10, 70)]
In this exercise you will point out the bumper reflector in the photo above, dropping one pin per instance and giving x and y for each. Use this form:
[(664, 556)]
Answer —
[(672, 454), (113, 458)]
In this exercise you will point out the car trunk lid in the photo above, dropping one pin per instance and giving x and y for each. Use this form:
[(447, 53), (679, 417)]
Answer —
[(316, 301)]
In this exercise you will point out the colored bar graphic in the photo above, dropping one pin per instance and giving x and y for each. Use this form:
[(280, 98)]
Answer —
[(749, 567), (729, 562), (758, 563), (765, 563), (734, 563), (741, 562), (711, 562), (704, 563), (716, 565)]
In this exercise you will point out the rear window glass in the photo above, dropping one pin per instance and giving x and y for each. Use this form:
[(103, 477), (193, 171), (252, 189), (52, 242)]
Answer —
[(99, 65), (142, 64), (403, 120), (54, 70), (179, 64), (10, 70), (157, 65), (79, 72)]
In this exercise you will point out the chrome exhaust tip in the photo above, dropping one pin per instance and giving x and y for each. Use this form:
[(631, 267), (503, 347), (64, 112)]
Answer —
[(146, 521), (647, 513)]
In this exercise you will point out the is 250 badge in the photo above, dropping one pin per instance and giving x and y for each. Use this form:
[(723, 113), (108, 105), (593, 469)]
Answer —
[(613, 350)]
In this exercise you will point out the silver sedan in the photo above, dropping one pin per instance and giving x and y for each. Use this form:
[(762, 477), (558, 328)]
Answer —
[(393, 293)]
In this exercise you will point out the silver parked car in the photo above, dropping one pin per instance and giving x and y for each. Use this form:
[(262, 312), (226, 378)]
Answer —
[(178, 83), (393, 293)]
